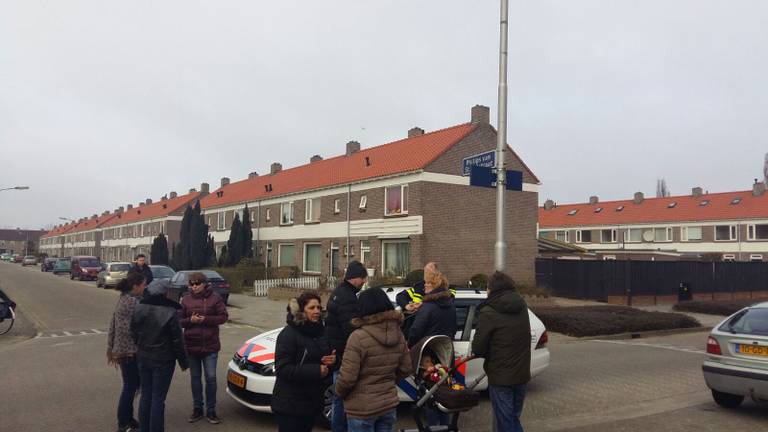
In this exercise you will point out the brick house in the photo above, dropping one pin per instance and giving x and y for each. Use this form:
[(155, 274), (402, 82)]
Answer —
[(14, 241), (394, 207), (730, 225)]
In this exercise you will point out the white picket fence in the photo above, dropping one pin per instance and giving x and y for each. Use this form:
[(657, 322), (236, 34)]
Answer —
[(260, 287)]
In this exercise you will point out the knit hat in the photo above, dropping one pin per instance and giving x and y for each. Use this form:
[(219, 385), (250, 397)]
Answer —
[(158, 287), (355, 270), (373, 301)]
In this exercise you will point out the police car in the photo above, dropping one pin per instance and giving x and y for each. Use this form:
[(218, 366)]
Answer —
[(251, 371)]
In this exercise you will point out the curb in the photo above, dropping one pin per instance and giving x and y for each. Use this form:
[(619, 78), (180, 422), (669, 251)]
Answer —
[(646, 334)]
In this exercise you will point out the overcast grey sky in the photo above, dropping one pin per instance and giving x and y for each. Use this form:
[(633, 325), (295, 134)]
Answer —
[(104, 103)]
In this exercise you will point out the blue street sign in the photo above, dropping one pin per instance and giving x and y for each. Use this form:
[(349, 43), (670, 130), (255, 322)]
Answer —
[(486, 177), (487, 160)]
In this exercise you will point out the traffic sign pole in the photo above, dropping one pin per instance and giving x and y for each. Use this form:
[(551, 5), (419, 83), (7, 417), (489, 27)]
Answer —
[(500, 248)]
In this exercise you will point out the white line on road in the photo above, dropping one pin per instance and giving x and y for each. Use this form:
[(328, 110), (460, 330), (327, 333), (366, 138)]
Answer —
[(68, 333), (661, 346), (97, 331)]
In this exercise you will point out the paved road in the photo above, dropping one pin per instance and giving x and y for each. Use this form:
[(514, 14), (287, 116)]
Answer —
[(59, 380)]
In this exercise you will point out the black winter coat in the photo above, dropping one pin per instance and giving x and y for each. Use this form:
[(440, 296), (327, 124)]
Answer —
[(144, 270), (299, 387), (342, 307), (436, 316), (155, 329)]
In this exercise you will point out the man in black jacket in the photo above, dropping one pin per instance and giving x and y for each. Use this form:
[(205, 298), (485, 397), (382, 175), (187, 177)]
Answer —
[(342, 307), (157, 333), (140, 266)]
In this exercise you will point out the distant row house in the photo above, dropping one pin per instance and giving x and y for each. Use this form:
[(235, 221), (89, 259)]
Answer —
[(393, 207), (728, 226)]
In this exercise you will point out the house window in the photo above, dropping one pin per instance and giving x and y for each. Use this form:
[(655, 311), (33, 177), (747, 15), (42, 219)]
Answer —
[(396, 198), (691, 233), (336, 206), (269, 254), (725, 232), (285, 255), (729, 257), (269, 215), (365, 252), (757, 232), (609, 257), (662, 234), (286, 212), (253, 215), (396, 258), (363, 202), (312, 210), (608, 236), (755, 257), (220, 222), (583, 236), (561, 236), (634, 235), (313, 257)]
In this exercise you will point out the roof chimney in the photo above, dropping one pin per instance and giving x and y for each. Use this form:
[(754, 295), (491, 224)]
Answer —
[(352, 147), (205, 189), (192, 190), (253, 174), (697, 191), (639, 198), (164, 198), (119, 209), (173, 195), (148, 201), (758, 189), (593, 200), (224, 181), (549, 204), (481, 114), (275, 168), (94, 216), (129, 206), (141, 204), (315, 158), (415, 131)]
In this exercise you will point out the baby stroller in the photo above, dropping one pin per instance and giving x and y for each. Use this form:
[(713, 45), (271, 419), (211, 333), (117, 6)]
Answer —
[(436, 387)]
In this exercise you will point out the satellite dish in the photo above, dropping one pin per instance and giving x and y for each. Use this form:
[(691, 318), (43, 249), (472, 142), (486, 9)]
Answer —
[(648, 235)]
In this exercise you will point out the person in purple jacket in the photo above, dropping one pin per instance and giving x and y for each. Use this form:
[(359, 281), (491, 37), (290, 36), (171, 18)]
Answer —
[(202, 312)]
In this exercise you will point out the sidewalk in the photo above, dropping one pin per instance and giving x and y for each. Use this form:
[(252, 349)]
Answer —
[(706, 320), (259, 312)]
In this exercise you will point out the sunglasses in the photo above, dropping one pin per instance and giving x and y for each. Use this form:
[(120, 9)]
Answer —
[(194, 283)]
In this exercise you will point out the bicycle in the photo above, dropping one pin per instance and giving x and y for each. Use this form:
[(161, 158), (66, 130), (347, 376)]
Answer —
[(7, 317)]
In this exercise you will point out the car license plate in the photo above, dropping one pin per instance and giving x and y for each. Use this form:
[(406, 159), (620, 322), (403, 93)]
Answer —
[(755, 350), (236, 379)]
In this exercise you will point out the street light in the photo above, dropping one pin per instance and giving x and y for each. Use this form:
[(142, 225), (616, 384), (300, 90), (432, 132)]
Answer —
[(500, 249), (64, 242), (15, 188)]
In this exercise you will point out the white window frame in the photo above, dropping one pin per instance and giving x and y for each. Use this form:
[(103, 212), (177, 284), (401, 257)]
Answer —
[(729, 257), (221, 221), (628, 237), (304, 258), (403, 199), (566, 235), (280, 253), (752, 232), (336, 206), (614, 235), (686, 238), (282, 212), (365, 251), (579, 235), (239, 213), (363, 202), (732, 231), (667, 234), (268, 216), (312, 215), (755, 257), (609, 257), (384, 248)]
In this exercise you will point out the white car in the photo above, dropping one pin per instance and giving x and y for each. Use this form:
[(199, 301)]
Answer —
[(737, 357), (251, 372)]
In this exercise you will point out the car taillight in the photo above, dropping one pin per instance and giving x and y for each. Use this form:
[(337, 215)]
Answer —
[(713, 347), (224, 285), (543, 340)]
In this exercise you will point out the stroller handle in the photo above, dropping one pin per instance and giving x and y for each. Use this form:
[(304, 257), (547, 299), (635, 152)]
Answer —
[(432, 391)]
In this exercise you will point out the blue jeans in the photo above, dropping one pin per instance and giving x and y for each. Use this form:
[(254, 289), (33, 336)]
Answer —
[(197, 366), (338, 416), (155, 382), (383, 423), (129, 369), (507, 403)]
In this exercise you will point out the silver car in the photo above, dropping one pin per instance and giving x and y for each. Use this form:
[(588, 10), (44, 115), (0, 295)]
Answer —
[(112, 273), (737, 357), (29, 260)]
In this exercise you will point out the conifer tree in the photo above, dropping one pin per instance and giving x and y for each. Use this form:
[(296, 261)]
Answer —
[(235, 242), (158, 254), (247, 235)]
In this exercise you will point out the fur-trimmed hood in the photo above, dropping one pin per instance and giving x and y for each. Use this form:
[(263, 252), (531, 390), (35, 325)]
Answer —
[(298, 319), (441, 296), (382, 326)]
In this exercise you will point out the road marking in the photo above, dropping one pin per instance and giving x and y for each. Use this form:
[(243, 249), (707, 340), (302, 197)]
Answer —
[(62, 344), (651, 345), (97, 331), (92, 332), (68, 333)]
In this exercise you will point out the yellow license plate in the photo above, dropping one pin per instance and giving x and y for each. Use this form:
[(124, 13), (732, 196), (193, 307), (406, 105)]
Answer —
[(236, 379), (752, 350)]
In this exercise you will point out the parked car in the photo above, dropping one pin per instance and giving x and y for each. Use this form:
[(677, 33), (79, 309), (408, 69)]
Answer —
[(736, 365), (162, 272), (112, 273), (62, 266), (18, 258), (6, 257), (179, 284), (85, 267), (29, 260), (48, 264), (251, 371)]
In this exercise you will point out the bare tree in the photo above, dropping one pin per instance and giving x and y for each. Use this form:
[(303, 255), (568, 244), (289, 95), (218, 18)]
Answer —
[(765, 170), (662, 190)]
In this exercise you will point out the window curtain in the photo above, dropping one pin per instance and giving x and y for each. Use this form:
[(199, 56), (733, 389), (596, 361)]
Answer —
[(286, 255), (313, 258)]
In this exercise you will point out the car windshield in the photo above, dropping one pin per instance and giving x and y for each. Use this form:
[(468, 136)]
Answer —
[(462, 310), (89, 262), (119, 267), (161, 272), (753, 321)]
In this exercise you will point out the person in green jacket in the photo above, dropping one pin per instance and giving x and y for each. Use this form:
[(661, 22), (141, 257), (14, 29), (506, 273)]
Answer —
[(503, 339)]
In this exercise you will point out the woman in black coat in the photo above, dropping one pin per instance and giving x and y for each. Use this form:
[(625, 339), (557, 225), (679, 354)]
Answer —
[(302, 360)]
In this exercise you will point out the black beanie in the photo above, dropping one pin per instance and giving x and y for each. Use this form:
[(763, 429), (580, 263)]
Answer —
[(355, 270), (373, 301)]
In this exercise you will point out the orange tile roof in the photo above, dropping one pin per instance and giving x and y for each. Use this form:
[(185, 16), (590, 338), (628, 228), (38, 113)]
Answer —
[(401, 156), (61, 229), (151, 211), (91, 223), (687, 208)]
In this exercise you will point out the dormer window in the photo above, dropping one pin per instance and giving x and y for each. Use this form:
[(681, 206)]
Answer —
[(598, 210), (619, 208), (704, 203), (673, 204), (573, 212), (735, 201)]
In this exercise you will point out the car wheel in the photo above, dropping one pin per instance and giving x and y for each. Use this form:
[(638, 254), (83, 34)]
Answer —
[(727, 400), (71, 276), (324, 420), (99, 284)]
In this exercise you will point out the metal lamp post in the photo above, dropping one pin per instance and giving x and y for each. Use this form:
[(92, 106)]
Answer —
[(500, 250), (73, 241)]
